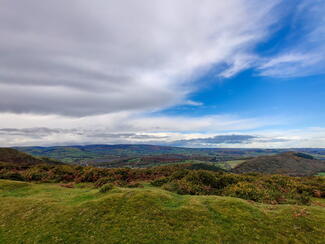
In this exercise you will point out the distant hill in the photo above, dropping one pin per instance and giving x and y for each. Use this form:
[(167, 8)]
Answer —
[(289, 163), (109, 154), (13, 156)]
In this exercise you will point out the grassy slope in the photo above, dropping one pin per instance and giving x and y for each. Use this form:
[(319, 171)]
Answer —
[(48, 213)]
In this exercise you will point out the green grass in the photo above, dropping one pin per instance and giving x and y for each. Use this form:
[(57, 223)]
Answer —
[(176, 163), (229, 164), (49, 213), (321, 174)]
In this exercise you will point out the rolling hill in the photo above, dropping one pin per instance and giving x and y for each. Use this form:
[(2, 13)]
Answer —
[(290, 163), (110, 155), (49, 213), (17, 158)]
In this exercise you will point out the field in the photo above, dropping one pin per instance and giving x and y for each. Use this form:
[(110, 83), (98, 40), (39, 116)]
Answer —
[(50, 213)]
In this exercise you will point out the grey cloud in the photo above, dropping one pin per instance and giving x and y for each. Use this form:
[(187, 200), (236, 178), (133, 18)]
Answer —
[(80, 58), (220, 139), (86, 135), (273, 140), (34, 133)]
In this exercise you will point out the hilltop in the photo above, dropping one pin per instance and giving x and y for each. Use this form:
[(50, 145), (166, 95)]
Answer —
[(290, 163), (49, 213)]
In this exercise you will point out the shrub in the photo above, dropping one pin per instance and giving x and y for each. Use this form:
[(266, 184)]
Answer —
[(179, 174), (246, 190), (106, 188), (186, 187), (134, 185), (160, 181), (304, 198), (11, 175), (35, 174), (202, 177), (194, 183), (90, 174), (104, 180), (225, 180)]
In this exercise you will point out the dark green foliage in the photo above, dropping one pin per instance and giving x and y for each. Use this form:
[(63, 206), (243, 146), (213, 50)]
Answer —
[(106, 188), (11, 175), (179, 174), (14, 156), (203, 166), (304, 155), (180, 179), (304, 198), (289, 163), (246, 190), (104, 180), (274, 189), (134, 185), (160, 181)]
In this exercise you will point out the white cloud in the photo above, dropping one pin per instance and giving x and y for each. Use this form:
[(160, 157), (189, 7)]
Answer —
[(76, 72), (80, 58), (207, 131), (304, 54), (27, 129)]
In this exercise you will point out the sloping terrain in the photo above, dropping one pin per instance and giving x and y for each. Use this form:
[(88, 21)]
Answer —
[(49, 213), (290, 163), (14, 157)]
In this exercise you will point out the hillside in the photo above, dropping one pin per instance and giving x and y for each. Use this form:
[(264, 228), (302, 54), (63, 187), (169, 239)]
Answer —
[(49, 213), (290, 163), (17, 158), (116, 154)]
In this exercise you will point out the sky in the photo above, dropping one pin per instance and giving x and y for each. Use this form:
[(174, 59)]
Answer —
[(235, 73)]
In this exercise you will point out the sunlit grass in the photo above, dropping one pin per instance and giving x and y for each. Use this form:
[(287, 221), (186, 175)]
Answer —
[(50, 213)]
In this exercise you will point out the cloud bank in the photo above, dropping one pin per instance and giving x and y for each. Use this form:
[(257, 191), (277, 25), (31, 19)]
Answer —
[(80, 58), (80, 72)]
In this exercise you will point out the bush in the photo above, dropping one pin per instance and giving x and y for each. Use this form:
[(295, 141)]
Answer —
[(180, 179), (160, 181), (106, 188), (179, 174), (225, 180), (186, 187), (198, 182), (304, 198), (134, 185), (35, 174), (102, 181), (246, 190), (202, 177), (11, 175)]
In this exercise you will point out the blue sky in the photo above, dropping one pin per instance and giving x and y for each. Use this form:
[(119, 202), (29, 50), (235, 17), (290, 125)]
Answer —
[(210, 74)]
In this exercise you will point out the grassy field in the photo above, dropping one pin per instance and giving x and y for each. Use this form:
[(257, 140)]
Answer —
[(229, 164), (50, 213)]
